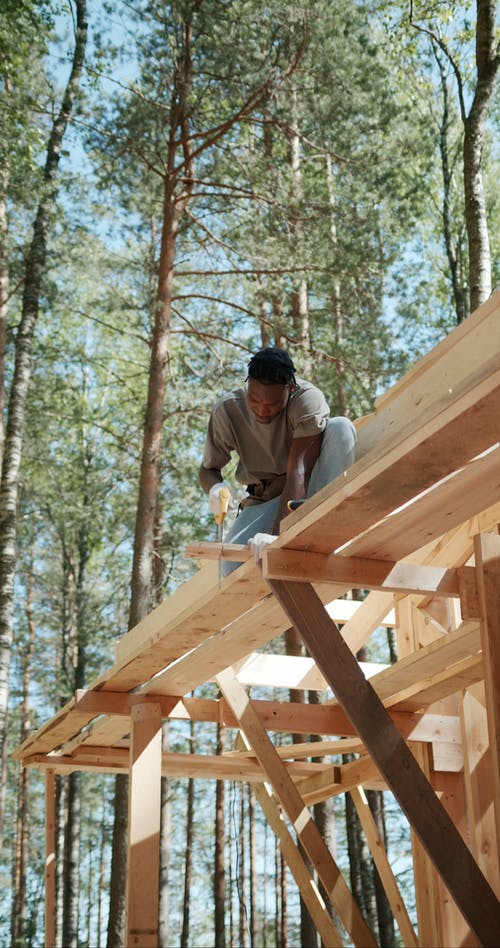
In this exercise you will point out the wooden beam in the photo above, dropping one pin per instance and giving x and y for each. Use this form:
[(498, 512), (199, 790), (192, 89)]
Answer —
[(487, 553), (205, 766), (229, 552), (363, 573), (306, 749), (381, 483), (121, 703), (50, 858), (293, 805), (340, 779), (300, 672), (144, 827), (478, 777), (451, 856), (385, 872)]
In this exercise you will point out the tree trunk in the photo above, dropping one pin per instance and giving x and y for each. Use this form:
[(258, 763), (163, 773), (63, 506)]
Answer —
[(458, 283), (116, 918), (165, 832), (284, 902), (61, 820), (387, 934), (4, 286), (300, 307), (220, 852), (20, 862), (188, 859), (242, 880), (254, 929), (72, 862), (34, 270), (474, 121), (337, 314), (101, 882), (487, 63), (360, 862)]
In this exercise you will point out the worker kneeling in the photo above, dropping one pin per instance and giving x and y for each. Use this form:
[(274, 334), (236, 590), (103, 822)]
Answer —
[(287, 445)]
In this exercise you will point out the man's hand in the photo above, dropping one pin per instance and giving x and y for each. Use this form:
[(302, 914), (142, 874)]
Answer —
[(219, 500), (259, 542)]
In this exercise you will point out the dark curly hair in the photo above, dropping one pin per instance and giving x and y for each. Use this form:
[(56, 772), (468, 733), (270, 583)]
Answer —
[(272, 366)]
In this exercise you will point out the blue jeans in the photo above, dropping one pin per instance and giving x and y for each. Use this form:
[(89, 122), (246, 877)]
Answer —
[(338, 450)]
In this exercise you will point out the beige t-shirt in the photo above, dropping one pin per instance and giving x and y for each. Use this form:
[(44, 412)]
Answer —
[(262, 448)]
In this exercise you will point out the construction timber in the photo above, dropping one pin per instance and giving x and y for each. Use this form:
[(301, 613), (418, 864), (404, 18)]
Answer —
[(414, 524)]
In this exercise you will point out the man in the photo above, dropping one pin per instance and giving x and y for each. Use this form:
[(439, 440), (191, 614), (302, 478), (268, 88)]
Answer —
[(287, 445)]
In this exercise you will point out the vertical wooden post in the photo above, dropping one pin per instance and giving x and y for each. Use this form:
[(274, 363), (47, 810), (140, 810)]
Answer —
[(50, 859), (144, 826), (478, 773), (487, 552)]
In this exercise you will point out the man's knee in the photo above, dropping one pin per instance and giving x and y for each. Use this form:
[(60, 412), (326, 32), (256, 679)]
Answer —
[(340, 436)]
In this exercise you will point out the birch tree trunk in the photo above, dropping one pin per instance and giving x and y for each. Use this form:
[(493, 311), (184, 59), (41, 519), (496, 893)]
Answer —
[(19, 913), (4, 292), (487, 62), (34, 270)]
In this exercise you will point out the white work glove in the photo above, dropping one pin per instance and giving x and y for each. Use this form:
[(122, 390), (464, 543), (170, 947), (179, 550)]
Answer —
[(218, 505), (259, 542)]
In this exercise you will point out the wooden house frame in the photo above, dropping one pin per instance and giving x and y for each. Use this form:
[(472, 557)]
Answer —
[(415, 523)]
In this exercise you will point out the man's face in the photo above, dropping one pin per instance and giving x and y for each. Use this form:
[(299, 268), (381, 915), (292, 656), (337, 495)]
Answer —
[(266, 401)]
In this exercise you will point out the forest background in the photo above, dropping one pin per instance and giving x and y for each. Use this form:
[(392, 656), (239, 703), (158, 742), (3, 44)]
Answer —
[(180, 184)]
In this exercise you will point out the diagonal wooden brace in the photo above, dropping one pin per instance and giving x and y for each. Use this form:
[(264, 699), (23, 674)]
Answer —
[(437, 832), (295, 808)]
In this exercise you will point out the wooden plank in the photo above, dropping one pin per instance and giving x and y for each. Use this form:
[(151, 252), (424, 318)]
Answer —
[(301, 750), (290, 671), (434, 511), (339, 779), (487, 553), (385, 872), (203, 766), (293, 805), (426, 879), (421, 454), (449, 787), (363, 573), (449, 682), (250, 631), (478, 777), (50, 858), (120, 703), (450, 855), (229, 552), (433, 663), (143, 862)]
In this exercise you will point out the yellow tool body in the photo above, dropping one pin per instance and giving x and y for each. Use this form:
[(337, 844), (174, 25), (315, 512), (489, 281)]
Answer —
[(224, 498)]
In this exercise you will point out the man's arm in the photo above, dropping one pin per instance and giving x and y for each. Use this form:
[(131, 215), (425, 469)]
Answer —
[(208, 476), (304, 453)]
